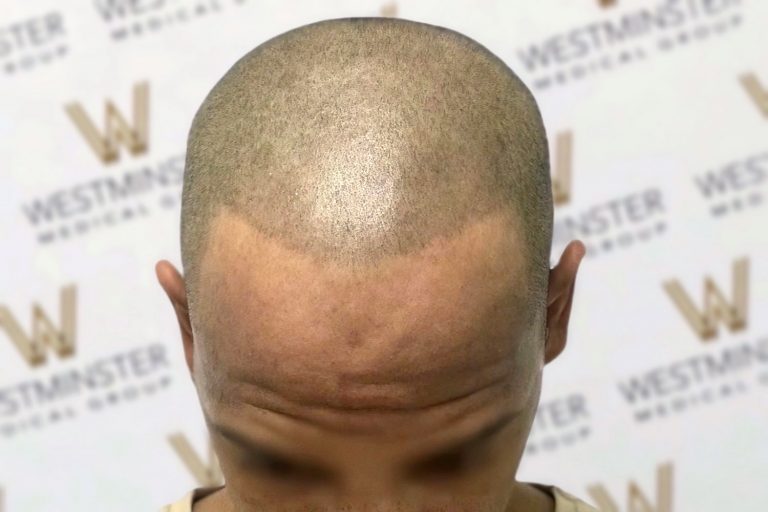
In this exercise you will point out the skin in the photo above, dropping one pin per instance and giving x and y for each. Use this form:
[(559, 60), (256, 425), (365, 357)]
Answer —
[(360, 379)]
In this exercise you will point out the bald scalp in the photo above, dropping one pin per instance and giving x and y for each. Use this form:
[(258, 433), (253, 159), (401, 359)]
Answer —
[(356, 139)]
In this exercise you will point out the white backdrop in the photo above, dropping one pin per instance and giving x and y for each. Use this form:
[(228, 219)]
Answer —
[(657, 111)]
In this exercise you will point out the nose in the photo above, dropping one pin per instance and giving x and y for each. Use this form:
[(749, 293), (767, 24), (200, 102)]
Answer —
[(385, 496), (368, 490)]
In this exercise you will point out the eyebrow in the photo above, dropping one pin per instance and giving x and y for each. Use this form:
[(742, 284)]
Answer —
[(482, 435), (259, 449), (473, 440)]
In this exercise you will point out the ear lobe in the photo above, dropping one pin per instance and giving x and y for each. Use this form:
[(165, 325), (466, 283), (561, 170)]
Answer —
[(173, 284)]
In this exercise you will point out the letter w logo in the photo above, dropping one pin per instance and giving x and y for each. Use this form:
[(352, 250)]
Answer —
[(637, 501), (207, 474), (44, 333), (716, 307), (756, 91), (116, 129)]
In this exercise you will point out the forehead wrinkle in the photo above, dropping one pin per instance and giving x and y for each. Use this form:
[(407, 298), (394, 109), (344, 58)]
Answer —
[(286, 343), (276, 411)]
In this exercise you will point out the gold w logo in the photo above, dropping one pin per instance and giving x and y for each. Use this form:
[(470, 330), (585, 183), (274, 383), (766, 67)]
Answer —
[(716, 307), (756, 91), (561, 180), (44, 333), (607, 3), (637, 501), (207, 474), (116, 128), (388, 10)]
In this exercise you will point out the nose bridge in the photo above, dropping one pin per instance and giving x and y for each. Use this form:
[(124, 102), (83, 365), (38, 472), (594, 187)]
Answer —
[(370, 477), (372, 485), (374, 502), (397, 501)]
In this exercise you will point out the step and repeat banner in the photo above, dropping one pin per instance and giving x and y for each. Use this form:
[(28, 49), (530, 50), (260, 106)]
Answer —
[(657, 113)]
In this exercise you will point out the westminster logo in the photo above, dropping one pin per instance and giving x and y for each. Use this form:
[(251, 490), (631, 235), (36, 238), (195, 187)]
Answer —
[(45, 335), (717, 308), (117, 130)]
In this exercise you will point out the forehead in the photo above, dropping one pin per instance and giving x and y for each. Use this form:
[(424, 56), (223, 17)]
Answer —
[(412, 332)]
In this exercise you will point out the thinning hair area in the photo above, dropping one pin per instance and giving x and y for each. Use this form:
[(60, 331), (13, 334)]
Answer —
[(356, 139)]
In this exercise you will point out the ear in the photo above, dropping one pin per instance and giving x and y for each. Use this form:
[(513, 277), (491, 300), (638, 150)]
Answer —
[(173, 284), (562, 282)]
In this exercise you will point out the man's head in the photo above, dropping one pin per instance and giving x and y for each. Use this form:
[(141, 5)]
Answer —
[(366, 229)]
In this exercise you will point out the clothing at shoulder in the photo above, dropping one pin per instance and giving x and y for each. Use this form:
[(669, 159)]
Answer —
[(564, 501), (185, 503)]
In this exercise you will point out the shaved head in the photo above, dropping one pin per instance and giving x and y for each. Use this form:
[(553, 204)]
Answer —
[(366, 228), (354, 140)]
